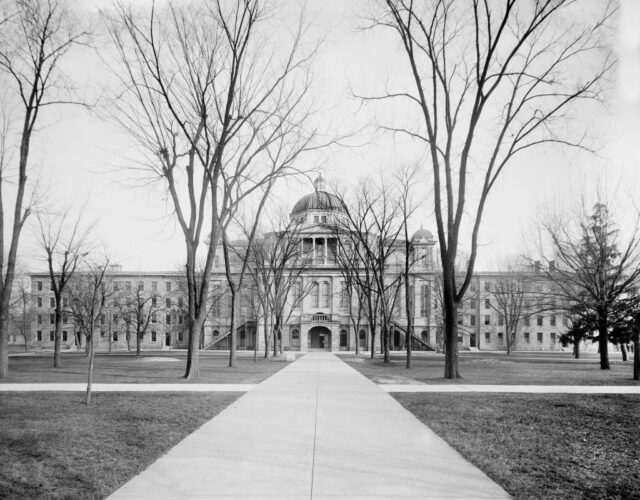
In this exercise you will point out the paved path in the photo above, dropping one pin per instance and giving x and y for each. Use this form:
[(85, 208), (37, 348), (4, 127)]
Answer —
[(315, 430), (82, 386), (533, 389)]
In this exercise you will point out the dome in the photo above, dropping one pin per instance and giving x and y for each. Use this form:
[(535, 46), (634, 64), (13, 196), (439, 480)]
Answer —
[(318, 200), (422, 234)]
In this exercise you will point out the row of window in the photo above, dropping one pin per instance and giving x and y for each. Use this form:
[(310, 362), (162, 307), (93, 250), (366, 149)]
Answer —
[(114, 336), (526, 337), (102, 320), (118, 285), (526, 321)]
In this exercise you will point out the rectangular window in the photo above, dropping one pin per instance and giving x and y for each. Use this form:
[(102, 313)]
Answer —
[(526, 337), (154, 302), (115, 319), (539, 336), (168, 319), (473, 303), (424, 301), (52, 319), (168, 286), (39, 336), (487, 303), (527, 321), (64, 335), (39, 287), (472, 320), (39, 301), (102, 319), (153, 318), (500, 337), (115, 286), (115, 336), (553, 337), (168, 303), (344, 297), (180, 302), (552, 320), (565, 320), (180, 336), (64, 318), (487, 319), (472, 287), (65, 302), (39, 319), (487, 337), (180, 318), (487, 286), (324, 219), (141, 286), (52, 336), (539, 320), (316, 218), (52, 302), (127, 286), (153, 335), (500, 320), (460, 340), (154, 286), (460, 321)]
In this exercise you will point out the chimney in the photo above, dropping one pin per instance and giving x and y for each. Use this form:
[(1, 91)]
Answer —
[(552, 265)]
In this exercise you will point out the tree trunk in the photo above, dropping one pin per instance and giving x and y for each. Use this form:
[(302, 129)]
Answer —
[(193, 361), (57, 362), (4, 338), (623, 350), (450, 323), (603, 343), (90, 371), (373, 341), (387, 342), (636, 356), (576, 349), (232, 333), (265, 334), (137, 343)]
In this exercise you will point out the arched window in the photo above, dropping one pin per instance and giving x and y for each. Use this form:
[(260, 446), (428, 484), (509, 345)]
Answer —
[(343, 338), (326, 295), (315, 298), (363, 339), (295, 338)]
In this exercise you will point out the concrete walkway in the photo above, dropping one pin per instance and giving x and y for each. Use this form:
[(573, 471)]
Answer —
[(529, 389), (317, 429), (82, 386)]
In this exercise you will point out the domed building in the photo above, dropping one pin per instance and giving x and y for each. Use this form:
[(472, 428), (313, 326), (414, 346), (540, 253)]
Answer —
[(317, 312)]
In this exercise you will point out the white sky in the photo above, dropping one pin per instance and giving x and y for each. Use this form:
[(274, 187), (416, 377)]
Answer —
[(82, 157)]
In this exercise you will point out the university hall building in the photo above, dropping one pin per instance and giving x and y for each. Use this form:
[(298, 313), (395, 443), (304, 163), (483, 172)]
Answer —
[(317, 314)]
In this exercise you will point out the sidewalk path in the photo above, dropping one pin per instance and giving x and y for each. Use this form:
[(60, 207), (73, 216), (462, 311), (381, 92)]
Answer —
[(81, 387), (533, 389), (315, 430)]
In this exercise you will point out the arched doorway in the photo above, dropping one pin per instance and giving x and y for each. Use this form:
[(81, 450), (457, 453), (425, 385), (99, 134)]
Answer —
[(319, 339)]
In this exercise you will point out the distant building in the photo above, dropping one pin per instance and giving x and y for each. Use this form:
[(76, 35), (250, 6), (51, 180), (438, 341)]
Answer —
[(319, 320)]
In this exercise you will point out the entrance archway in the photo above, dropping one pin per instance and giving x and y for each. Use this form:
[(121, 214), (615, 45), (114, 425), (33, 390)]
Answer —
[(319, 339)]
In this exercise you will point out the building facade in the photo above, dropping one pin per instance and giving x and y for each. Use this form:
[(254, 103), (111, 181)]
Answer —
[(316, 319)]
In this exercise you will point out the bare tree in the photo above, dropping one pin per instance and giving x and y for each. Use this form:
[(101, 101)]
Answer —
[(595, 269), (490, 81), (35, 37), (277, 265), (88, 297), (371, 230), (516, 296), (218, 113), (22, 312), (64, 243), (140, 309)]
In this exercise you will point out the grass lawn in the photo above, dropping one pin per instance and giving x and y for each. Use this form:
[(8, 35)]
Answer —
[(54, 446), (546, 368), (124, 367), (542, 446)]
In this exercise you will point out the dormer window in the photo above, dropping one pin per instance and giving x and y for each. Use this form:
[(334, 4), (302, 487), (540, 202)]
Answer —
[(316, 219), (324, 219)]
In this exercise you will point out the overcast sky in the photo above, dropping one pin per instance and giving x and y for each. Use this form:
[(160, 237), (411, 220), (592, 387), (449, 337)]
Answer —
[(80, 156)]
